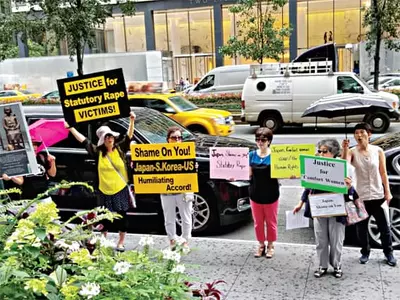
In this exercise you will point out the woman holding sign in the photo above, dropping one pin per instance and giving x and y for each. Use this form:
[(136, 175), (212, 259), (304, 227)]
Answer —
[(183, 202), (329, 231), (264, 193), (112, 172)]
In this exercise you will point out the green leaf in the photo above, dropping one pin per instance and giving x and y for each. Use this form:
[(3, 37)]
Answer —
[(59, 276), (20, 274), (40, 233), (33, 251)]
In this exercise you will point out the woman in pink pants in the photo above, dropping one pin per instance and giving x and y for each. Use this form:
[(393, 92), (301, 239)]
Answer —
[(264, 194)]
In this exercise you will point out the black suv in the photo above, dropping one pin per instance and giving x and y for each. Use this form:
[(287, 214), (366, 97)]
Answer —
[(218, 202)]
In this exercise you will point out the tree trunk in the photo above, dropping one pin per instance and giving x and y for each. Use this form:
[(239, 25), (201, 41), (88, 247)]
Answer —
[(79, 57), (378, 42)]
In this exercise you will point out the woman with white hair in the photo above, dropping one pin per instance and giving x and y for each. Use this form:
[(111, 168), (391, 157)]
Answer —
[(329, 232), (112, 172)]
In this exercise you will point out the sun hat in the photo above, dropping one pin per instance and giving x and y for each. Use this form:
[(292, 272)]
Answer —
[(101, 133)]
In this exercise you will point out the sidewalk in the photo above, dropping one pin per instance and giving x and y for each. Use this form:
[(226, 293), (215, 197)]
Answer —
[(289, 275)]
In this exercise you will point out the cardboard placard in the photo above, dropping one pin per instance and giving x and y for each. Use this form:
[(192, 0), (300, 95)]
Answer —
[(321, 173), (285, 159), (327, 205), (227, 163), (94, 96), (17, 156), (164, 168)]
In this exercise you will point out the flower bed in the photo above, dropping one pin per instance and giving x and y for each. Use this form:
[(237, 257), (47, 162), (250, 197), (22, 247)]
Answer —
[(396, 92), (230, 102), (42, 257)]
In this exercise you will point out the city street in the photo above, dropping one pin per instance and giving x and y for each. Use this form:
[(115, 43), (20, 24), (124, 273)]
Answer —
[(290, 189)]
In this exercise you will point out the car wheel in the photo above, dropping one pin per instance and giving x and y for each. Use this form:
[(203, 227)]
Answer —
[(197, 129), (272, 122), (379, 122), (394, 218), (204, 216)]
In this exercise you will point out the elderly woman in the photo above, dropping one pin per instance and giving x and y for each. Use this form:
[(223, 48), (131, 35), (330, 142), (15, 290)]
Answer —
[(112, 172), (329, 232)]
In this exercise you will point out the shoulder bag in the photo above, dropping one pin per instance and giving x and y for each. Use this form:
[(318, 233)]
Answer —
[(356, 211), (132, 198)]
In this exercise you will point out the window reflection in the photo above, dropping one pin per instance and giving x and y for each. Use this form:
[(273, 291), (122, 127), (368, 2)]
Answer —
[(114, 32), (320, 22), (161, 31), (135, 33)]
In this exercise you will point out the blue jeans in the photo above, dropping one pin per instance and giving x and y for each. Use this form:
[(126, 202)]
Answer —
[(374, 208)]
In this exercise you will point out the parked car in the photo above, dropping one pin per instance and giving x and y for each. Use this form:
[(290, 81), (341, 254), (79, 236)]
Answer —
[(17, 95), (201, 120), (54, 95), (218, 203), (390, 143)]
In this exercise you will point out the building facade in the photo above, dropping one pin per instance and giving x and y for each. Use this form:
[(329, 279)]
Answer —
[(193, 30)]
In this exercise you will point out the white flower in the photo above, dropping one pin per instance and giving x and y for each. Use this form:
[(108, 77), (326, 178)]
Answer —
[(89, 290), (146, 241), (171, 255), (121, 267), (69, 246), (178, 269), (103, 242)]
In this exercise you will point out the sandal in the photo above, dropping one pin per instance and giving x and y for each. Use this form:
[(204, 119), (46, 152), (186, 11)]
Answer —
[(320, 272), (260, 251), (337, 272), (270, 252), (120, 248)]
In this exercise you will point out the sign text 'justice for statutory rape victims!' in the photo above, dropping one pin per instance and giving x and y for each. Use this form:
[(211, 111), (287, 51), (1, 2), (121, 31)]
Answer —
[(164, 168), (94, 96)]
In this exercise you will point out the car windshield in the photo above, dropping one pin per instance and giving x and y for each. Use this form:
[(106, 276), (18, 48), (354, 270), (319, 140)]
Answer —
[(182, 103), (388, 141), (154, 127), (364, 83), (26, 92)]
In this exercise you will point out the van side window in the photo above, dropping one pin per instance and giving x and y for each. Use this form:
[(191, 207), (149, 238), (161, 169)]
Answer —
[(346, 84), (206, 83)]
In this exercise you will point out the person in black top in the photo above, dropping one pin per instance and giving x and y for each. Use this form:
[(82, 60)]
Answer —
[(264, 193), (34, 184)]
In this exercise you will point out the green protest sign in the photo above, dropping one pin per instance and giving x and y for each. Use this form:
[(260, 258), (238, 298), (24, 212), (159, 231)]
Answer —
[(321, 173)]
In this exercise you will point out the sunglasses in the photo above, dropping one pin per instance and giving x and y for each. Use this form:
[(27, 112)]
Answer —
[(263, 140), (176, 138), (323, 151)]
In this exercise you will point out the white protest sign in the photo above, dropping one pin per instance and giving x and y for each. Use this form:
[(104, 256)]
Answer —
[(227, 163), (323, 173), (327, 205)]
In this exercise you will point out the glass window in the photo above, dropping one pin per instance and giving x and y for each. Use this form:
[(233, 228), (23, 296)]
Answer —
[(320, 22), (302, 24), (201, 31), (229, 29), (26, 92), (114, 35), (158, 105), (206, 83), (161, 31), (135, 33), (178, 32), (346, 84), (347, 21), (182, 103)]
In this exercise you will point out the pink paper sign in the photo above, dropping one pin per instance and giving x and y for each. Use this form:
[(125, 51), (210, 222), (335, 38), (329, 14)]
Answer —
[(227, 163)]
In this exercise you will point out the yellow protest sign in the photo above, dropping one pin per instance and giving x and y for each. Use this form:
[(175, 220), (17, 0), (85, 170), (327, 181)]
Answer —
[(285, 159), (164, 168), (96, 96)]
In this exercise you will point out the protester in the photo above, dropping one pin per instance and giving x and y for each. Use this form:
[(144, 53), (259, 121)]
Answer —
[(373, 188), (35, 184), (112, 172), (183, 202), (264, 193), (330, 231)]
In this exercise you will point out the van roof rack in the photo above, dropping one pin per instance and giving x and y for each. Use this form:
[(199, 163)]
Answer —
[(291, 68)]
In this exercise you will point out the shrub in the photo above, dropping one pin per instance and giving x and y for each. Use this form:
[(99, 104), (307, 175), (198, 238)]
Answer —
[(228, 101)]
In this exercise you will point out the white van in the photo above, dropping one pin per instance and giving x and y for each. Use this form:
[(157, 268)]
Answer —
[(227, 79), (278, 97)]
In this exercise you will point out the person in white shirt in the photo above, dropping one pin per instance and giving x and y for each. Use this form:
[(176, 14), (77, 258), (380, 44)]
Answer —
[(373, 188)]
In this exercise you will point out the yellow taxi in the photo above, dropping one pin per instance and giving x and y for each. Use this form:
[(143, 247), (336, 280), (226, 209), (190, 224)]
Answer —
[(202, 120), (17, 95)]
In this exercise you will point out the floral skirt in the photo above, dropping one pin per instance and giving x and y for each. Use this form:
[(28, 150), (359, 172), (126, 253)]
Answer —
[(116, 202)]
